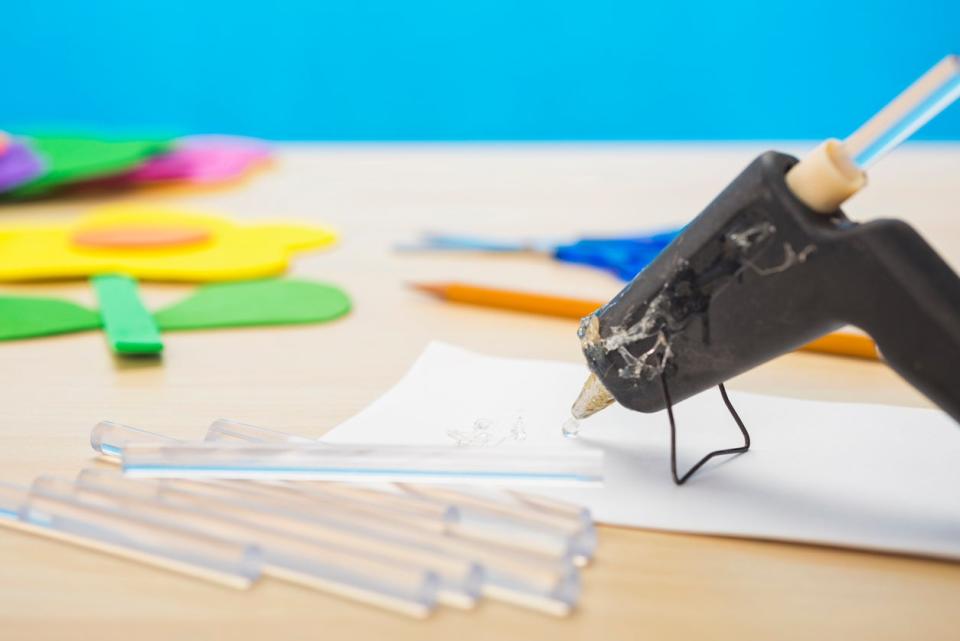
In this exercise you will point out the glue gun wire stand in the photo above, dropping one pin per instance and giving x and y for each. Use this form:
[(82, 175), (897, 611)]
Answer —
[(773, 263)]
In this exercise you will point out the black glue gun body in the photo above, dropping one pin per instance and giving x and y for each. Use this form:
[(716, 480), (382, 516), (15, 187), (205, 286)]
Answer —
[(758, 274)]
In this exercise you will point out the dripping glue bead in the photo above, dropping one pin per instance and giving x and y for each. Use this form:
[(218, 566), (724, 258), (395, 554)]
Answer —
[(571, 428)]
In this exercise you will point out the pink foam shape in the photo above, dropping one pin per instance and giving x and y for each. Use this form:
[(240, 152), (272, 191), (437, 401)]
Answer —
[(202, 159)]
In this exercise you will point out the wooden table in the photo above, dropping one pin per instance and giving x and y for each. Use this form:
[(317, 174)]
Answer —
[(644, 585)]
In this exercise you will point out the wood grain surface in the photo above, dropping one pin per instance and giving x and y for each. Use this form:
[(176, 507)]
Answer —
[(644, 585)]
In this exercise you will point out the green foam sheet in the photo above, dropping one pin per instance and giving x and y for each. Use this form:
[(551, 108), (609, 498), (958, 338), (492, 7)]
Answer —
[(72, 159)]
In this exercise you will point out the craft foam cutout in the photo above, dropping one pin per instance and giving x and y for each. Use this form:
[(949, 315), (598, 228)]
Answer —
[(140, 236), (71, 159), (18, 165), (202, 160), (130, 327), (257, 302), (30, 317), (267, 302), (232, 252)]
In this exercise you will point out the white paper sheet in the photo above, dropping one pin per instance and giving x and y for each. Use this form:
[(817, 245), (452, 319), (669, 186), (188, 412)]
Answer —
[(867, 476)]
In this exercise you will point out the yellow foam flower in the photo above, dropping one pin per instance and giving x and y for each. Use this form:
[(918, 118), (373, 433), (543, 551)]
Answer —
[(154, 244)]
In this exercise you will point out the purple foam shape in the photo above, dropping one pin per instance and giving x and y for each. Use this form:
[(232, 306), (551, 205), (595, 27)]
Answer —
[(203, 159), (18, 165)]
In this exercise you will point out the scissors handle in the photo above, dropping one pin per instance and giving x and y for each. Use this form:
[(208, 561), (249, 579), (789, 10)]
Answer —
[(625, 257)]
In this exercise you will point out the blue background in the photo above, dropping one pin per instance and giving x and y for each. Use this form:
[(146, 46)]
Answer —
[(470, 70)]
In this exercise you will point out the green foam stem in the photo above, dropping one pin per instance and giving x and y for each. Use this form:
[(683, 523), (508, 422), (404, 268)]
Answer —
[(130, 328)]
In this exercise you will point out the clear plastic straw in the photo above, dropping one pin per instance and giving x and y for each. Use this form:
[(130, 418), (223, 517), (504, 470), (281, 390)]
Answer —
[(918, 104), (289, 554), (51, 511), (390, 463)]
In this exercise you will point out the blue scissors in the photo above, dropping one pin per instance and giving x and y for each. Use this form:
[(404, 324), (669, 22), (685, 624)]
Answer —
[(623, 256)]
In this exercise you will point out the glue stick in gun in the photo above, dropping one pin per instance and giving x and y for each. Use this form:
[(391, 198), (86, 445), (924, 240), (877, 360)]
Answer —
[(773, 263)]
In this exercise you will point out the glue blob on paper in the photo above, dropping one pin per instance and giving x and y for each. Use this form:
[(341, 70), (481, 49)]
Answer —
[(571, 428)]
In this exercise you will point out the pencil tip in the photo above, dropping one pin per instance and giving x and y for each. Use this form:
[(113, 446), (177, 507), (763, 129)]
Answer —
[(430, 288)]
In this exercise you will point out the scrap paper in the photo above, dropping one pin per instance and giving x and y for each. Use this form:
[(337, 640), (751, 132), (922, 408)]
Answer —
[(854, 475), (18, 165)]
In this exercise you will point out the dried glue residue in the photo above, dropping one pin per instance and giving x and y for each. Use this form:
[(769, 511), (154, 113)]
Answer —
[(645, 345), (486, 432), (517, 433)]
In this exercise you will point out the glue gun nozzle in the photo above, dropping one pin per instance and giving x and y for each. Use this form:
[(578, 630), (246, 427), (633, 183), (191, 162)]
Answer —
[(593, 398)]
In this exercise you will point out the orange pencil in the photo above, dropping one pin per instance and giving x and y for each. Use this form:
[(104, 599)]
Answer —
[(528, 302), (837, 343)]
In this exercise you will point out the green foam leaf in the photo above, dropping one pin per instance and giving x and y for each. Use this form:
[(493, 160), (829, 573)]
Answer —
[(71, 159), (257, 302), (28, 317)]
